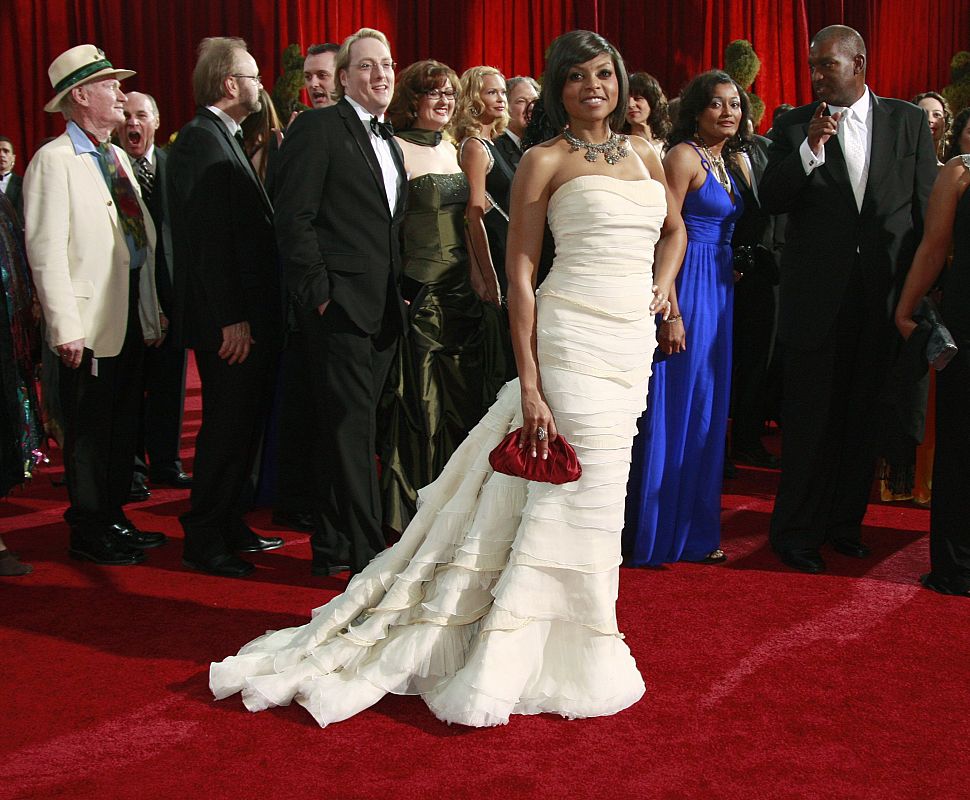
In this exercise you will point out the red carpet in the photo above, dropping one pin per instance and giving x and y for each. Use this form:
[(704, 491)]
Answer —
[(762, 683)]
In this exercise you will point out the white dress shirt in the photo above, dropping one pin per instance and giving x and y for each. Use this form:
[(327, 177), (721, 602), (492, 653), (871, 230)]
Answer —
[(382, 149), (855, 139), (228, 121), (5, 182)]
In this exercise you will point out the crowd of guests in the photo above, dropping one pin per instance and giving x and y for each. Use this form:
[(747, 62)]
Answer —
[(251, 241)]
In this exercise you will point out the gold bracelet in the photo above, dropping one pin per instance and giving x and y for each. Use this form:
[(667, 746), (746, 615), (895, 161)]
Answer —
[(673, 318)]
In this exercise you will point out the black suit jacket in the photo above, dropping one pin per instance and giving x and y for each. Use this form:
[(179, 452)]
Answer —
[(224, 251), (754, 227), (509, 149), (826, 230), (15, 193), (337, 238), (158, 208)]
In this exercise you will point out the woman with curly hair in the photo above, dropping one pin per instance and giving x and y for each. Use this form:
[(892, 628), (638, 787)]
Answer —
[(646, 114), (445, 374), (674, 494), (960, 136), (481, 116)]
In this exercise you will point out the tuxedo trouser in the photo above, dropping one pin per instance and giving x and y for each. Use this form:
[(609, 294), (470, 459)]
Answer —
[(754, 318), (235, 404), (831, 422), (297, 433), (160, 434), (347, 369), (100, 429)]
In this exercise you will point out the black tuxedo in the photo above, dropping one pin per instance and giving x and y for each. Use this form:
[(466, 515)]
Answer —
[(754, 303), (509, 149), (841, 269), (339, 242), (15, 193), (161, 432), (225, 272)]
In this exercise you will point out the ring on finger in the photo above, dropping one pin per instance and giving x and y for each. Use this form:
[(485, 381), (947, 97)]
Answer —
[(540, 433)]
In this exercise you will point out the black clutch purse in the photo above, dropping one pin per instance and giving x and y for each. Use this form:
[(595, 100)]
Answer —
[(940, 347)]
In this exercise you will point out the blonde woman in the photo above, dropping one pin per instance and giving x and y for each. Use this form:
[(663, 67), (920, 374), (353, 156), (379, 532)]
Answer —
[(482, 116)]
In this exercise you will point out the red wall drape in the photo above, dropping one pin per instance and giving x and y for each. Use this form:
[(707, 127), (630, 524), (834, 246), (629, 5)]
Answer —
[(910, 41)]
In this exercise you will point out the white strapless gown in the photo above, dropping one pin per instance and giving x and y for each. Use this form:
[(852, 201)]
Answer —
[(500, 598)]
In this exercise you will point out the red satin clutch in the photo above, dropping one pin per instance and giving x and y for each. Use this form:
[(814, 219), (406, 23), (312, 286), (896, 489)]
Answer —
[(562, 466)]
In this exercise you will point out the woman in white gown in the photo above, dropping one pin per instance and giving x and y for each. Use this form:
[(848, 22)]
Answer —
[(500, 598)]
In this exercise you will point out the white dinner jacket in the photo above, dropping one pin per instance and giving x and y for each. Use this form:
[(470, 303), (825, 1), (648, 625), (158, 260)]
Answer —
[(77, 250)]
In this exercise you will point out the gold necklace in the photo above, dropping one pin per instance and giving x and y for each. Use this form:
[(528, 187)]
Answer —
[(718, 166)]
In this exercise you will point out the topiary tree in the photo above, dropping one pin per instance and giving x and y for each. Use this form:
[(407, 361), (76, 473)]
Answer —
[(286, 90), (742, 63), (957, 94)]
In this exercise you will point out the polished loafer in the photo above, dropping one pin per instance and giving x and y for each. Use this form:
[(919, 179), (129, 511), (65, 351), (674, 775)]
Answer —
[(328, 570), (128, 534), (225, 566), (138, 493), (809, 561), (295, 520), (258, 544), (176, 478), (106, 552), (851, 548)]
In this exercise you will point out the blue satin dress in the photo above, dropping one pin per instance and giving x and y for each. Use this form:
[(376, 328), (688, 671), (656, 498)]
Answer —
[(673, 503)]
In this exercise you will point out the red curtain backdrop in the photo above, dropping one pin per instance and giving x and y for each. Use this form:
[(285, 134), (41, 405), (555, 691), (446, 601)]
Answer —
[(910, 41)]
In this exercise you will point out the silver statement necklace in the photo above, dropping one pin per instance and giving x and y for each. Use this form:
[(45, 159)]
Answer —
[(613, 149), (717, 166)]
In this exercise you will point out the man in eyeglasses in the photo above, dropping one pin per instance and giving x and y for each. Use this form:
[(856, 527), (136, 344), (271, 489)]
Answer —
[(340, 191), (228, 304)]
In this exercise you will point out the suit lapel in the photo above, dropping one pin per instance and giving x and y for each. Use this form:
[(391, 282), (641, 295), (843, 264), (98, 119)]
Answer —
[(240, 156), (881, 151), (836, 170), (356, 129), (94, 171)]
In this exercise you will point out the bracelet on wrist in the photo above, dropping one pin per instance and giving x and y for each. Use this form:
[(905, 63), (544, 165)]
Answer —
[(673, 318)]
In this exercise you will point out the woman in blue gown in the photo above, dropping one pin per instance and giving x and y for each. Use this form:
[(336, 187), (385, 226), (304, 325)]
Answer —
[(673, 500)]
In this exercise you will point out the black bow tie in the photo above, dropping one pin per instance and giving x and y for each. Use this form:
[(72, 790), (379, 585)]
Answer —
[(383, 129)]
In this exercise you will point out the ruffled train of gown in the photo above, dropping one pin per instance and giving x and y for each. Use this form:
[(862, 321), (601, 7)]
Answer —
[(500, 597)]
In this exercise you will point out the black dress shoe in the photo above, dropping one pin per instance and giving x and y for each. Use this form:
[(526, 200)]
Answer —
[(128, 534), (176, 478), (138, 492), (105, 550), (294, 520), (257, 544), (225, 566), (326, 570), (809, 561), (851, 548), (756, 457)]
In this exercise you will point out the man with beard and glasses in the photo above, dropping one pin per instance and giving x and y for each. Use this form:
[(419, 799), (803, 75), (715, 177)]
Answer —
[(227, 302)]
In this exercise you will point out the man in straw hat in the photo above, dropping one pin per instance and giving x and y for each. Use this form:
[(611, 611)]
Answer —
[(91, 243)]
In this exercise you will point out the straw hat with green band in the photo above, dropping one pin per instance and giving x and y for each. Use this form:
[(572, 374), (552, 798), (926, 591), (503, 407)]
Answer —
[(79, 65)]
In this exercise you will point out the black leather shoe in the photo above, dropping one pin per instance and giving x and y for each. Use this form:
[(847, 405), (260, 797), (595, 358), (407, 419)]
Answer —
[(851, 548), (138, 493), (225, 566), (809, 561), (105, 550), (294, 520), (754, 457), (258, 544), (176, 478), (326, 570), (127, 534)]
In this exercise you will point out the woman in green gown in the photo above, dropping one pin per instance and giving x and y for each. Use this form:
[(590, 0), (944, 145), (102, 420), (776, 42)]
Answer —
[(450, 366)]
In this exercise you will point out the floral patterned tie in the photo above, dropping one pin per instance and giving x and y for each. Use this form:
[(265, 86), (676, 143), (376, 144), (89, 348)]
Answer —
[(129, 211)]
